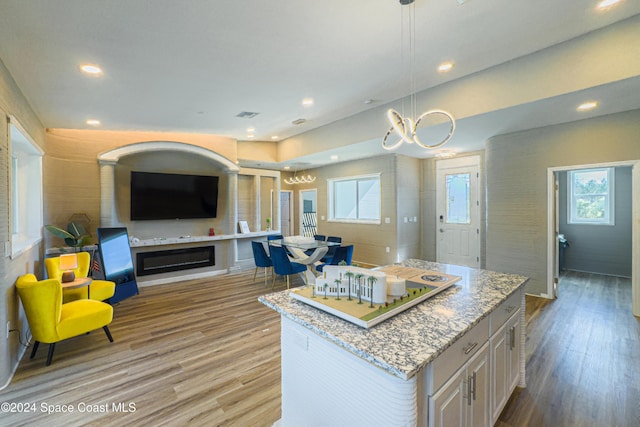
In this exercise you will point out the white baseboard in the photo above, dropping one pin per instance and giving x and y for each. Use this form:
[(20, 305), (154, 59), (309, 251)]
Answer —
[(15, 367)]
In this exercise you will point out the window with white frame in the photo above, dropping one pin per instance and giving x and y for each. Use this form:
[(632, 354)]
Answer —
[(355, 199), (26, 190), (590, 195)]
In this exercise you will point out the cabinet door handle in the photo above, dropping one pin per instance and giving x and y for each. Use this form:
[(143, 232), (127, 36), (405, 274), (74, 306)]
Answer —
[(470, 347), (512, 337), (473, 388), (469, 391)]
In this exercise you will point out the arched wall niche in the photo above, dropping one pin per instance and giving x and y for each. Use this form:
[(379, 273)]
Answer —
[(111, 216), (113, 156)]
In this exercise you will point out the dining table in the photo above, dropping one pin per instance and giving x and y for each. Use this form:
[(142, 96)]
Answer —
[(305, 250)]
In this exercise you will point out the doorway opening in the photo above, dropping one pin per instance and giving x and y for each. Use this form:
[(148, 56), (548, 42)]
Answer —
[(554, 220), (309, 214)]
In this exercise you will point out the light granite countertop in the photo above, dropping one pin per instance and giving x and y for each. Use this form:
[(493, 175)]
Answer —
[(407, 342)]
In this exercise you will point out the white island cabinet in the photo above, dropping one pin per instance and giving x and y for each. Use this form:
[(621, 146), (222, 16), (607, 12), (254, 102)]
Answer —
[(452, 360)]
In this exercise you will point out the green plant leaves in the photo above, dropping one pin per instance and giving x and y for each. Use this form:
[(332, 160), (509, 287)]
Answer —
[(75, 235)]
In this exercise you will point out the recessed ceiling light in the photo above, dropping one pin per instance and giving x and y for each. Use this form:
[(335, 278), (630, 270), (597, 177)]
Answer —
[(287, 168), (307, 102), (274, 137), (91, 69), (93, 122), (251, 129), (250, 135), (445, 67), (334, 157), (604, 4), (586, 106)]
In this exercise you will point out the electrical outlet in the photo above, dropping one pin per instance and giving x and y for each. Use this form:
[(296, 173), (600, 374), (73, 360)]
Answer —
[(387, 249), (8, 327)]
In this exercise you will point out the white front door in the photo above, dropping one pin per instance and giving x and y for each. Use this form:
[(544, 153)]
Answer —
[(458, 211)]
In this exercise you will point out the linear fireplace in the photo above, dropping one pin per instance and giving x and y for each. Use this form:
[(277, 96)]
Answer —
[(174, 260)]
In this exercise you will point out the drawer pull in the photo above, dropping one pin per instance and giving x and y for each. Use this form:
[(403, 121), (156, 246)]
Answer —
[(510, 308), (468, 349)]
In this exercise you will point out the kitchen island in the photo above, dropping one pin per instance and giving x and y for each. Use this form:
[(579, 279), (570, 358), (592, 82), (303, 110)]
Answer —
[(451, 360)]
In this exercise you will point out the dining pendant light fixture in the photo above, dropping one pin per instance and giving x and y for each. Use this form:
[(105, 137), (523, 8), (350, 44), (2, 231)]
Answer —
[(406, 127), (295, 179)]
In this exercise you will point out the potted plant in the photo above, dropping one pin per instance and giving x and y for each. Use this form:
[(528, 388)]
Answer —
[(75, 235)]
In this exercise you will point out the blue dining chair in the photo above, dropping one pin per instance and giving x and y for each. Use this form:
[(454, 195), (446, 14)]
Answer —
[(282, 265), (261, 259), (274, 237), (342, 253), (332, 249)]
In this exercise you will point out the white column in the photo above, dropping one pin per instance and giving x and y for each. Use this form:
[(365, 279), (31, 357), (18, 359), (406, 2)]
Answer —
[(232, 200), (108, 211), (277, 211), (257, 193)]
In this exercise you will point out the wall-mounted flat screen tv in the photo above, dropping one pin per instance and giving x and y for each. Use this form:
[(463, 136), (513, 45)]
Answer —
[(173, 196)]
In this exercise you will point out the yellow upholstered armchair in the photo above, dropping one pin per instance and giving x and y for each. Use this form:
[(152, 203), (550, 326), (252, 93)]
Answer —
[(52, 321), (100, 290)]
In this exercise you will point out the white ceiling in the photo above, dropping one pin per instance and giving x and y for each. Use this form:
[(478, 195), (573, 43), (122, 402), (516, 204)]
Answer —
[(193, 65)]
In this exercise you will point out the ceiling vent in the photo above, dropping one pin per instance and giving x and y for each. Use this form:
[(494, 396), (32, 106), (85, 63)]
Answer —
[(298, 121), (246, 114)]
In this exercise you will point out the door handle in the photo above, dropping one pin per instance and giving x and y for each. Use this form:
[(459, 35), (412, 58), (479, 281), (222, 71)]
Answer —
[(473, 387), (442, 230), (512, 337)]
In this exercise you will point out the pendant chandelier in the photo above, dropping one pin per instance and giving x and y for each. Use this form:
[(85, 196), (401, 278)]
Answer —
[(406, 127), (300, 179)]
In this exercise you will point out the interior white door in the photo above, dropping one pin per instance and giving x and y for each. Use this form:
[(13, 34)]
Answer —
[(286, 209), (458, 211)]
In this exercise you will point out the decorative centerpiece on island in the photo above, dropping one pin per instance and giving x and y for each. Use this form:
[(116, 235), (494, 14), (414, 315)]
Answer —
[(388, 291)]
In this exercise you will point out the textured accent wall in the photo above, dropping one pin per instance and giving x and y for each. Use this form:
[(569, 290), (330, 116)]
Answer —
[(72, 174), (517, 165), (13, 103), (408, 207)]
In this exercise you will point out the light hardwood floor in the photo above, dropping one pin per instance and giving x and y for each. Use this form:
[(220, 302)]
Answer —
[(583, 357), (208, 353)]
